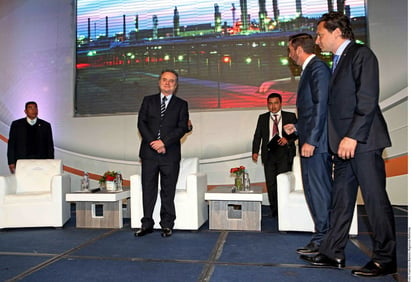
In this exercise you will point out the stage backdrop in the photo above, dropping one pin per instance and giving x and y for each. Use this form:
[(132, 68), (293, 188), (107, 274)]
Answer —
[(229, 54)]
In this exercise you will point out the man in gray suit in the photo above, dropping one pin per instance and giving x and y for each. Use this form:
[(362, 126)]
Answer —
[(311, 128), (162, 122)]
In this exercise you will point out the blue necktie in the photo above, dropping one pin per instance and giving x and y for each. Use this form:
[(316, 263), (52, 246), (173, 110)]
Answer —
[(335, 62)]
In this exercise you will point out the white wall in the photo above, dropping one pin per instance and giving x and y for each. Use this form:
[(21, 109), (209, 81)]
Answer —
[(37, 63)]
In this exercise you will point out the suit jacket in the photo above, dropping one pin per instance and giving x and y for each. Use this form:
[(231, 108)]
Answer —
[(172, 128), (17, 144), (353, 101), (312, 105), (261, 136)]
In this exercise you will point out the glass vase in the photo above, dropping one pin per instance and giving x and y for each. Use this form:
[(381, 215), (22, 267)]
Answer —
[(238, 182), (111, 186)]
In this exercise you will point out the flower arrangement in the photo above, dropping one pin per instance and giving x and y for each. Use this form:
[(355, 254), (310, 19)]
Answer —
[(109, 175), (237, 171)]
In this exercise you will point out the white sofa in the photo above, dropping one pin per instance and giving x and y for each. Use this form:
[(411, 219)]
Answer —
[(190, 204), (293, 211), (35, 195)]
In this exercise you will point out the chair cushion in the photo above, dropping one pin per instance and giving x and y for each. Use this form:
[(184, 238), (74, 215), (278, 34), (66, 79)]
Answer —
[(36, 175), (34, 197)]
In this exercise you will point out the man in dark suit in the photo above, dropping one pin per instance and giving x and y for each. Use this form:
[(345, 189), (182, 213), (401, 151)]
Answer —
[(316, 162), (358, 135), (29, 138), (278, 158), (162, 122)]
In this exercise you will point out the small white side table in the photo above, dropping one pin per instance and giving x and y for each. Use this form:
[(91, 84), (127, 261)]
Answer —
[(235, 211), (102, 209)]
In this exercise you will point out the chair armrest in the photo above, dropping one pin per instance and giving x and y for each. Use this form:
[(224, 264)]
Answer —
[(136, 197), (8, 185), (66, 182), (196, 184), (60, 186), (286, 181), (135, 185), (286, 185)]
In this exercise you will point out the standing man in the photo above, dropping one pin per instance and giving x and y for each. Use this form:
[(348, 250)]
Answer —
[(162, 122), (29, 138), (278, 156), (316, 162), (358, 135)]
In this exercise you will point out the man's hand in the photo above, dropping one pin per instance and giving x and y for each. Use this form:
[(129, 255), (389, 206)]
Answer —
[(255, 157), (12, 168), (289, 128), (162, 150), (307, 150), (158, 145), (282, 141), (347, 147)]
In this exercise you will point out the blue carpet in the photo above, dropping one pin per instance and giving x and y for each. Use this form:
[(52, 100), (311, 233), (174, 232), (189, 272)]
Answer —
[(240, 273), (109, 270), (71, 254), (45, 240), (183, 245), (278, 248), (12, 265)]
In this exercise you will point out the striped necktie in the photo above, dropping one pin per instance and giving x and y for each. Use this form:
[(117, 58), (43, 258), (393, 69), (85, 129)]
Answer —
[(162, 113), (163, 107)]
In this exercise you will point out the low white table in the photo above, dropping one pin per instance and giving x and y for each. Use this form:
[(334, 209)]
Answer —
[(235, 211), (102, 209)]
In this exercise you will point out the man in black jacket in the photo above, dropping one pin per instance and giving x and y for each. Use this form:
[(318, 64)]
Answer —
[(163, 120), (29, 138), (278, 156), (358, 135)]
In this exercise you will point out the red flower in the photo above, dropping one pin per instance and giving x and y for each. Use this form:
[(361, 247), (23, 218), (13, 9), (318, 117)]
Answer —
[(109, 175), (109, 178), (238, 170)]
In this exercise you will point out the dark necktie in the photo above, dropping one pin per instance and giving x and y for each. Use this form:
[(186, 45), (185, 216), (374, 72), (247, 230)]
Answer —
[(335, 62), (163, 107), (275, 125), (162, 112)]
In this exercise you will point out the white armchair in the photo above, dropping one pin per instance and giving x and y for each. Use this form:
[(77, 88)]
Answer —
[(190, 204), (293, 211), (35, 195)]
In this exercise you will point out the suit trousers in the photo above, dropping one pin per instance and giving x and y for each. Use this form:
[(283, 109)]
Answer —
[(169, 172), (366, 170), (277, 162), (317, 183)]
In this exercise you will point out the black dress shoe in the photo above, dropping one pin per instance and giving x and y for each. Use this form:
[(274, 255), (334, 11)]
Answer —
[(143, 231), (323, 261), (166, 232), (310, 249), (374, 269)]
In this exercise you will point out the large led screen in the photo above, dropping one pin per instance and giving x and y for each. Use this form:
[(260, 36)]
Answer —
[(229, 54)]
